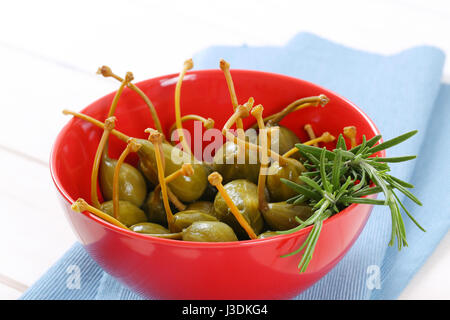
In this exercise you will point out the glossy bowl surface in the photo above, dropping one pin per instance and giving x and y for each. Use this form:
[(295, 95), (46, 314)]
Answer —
[(170, 269)]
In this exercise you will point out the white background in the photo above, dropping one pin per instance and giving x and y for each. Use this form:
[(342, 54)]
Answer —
[(50, 50)]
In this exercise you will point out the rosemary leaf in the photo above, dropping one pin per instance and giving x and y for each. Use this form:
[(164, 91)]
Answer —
[(394, 159), (401, 182), (336, 170), (407, 212), (329, 186), (370, 143), (322, 170), (403, 190), (367, 191), (301, 189), (392, 142), (340, 144), (312, 184), (362, 200)]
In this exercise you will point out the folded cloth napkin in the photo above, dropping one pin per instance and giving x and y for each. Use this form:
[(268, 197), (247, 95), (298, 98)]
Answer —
[(400, 92)]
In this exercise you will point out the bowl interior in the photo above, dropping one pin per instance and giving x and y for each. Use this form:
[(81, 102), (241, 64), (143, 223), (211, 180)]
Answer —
[(204, 93)]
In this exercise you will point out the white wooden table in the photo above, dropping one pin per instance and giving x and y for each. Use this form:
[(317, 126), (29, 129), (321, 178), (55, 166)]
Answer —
[(50, 50)]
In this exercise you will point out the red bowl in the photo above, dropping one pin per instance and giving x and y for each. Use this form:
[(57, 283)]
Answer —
[(170, 269)]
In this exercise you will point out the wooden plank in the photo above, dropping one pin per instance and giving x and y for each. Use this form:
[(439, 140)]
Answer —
[(34, 94), (155, 38), (33, 232), (8, 293)]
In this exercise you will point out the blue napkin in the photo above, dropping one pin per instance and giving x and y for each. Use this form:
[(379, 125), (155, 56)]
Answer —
[(400, 92)]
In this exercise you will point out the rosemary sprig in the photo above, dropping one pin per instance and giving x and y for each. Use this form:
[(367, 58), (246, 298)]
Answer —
[(338, 178)]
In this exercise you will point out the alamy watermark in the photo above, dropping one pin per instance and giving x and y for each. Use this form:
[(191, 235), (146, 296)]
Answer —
[(206, 145), (73, 281), (373, 280)]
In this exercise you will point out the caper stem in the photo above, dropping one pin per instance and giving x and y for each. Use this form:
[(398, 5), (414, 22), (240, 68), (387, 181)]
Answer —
[(241, 111), (215, 179), (296, 105), (132, 146), (156, 138), (311, 134), (277, 157), (108, 127), (178, 204), (350, 132), (325, 137), (185, 170), (97, 123), (268, 119), (188, 64), (81, 205), (263, 135), (207, 123), (150, 105), (112, 109), (172, 197), (225, 67), (107, 72)]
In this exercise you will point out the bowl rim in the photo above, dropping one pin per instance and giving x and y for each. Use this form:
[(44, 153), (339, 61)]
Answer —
[(192, 244)]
